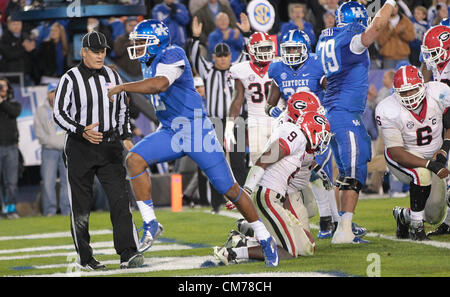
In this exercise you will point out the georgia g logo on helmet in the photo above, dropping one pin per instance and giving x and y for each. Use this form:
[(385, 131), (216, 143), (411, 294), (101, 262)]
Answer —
[(444, 36), (300, 105), (320, 120)]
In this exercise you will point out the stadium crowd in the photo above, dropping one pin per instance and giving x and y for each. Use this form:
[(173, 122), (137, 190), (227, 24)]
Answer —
[(44, 51)]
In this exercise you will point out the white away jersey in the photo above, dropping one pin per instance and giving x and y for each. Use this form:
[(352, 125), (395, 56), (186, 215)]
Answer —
[(256, 84), (442, 76), (420, 133), (277, 176)]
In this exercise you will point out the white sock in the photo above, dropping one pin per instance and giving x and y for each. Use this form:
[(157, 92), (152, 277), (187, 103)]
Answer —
[(260, 230), (322, 200), (146, 209), (417, 215), (241, 252), (333, 205), (347, 216)]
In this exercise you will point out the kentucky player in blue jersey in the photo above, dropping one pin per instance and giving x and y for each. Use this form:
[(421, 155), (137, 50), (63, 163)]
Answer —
[(297, 70), (185, 130), (345, 59)]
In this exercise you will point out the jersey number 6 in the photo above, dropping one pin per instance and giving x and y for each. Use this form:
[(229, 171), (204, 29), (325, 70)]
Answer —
[(424, 139)]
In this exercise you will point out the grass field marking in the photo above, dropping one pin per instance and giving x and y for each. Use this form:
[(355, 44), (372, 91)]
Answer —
[(438, 244), (151, 264), (155, 248), (52, 235)]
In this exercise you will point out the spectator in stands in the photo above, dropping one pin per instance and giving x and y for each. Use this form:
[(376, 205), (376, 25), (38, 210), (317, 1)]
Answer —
[(52, 54), (388, 83), (94, 24), (176, 17), (439, 10), (122, 60), (394, 42), (225, 34), (9, 151), (329, 20), (238, 6), (420, 27), (17, 50), (207, 14), (52, 138), (297, 13), (368, 116)]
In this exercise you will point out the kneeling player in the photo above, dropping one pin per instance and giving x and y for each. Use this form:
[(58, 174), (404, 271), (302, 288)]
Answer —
[(411, 122), (291, 147)]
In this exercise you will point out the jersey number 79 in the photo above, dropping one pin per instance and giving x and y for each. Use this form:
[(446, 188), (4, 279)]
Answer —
[(328, 56)]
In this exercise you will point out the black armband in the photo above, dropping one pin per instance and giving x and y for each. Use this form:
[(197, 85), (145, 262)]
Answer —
[(446, 146), (446, 119), (435, 166)]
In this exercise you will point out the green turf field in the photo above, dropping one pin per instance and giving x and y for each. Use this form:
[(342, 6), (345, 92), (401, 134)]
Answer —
[(43, 246)]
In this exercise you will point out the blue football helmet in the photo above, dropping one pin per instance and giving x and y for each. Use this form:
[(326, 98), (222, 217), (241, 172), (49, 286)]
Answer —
[(445, 22), (351, 12), (295, 46), (149, 38)]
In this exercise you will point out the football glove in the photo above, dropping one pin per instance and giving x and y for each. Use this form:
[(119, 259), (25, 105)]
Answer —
[(230, 140), (327, 184)]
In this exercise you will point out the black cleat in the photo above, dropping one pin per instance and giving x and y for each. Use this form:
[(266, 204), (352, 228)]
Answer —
[(93, 264), (402, 231), (441, 230), (417, 231), (135, 260)]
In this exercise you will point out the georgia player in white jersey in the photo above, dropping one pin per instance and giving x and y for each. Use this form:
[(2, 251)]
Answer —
[(412, 126), (252, 85), (436, 54), (290, 145)]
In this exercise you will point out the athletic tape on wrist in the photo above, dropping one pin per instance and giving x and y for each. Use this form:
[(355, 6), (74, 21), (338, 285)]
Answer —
[(391, 2)]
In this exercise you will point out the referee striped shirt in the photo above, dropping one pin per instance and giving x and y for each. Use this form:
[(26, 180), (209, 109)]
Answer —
[(219, 85), (81, 100)]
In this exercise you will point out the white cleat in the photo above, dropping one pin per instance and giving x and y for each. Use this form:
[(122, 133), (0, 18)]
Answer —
[(152, 231)]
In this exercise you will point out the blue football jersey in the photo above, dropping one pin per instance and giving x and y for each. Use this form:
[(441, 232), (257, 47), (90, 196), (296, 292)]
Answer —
[(347, 73), (292, 80), (181, 98)]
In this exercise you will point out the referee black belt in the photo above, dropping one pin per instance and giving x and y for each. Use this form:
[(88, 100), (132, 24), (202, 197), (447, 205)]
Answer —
[(110, 136)]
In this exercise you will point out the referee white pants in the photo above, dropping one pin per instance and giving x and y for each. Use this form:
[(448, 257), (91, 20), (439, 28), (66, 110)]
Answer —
[(281, 223)]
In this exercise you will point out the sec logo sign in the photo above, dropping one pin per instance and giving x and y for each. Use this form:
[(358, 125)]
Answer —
[(261, 15)]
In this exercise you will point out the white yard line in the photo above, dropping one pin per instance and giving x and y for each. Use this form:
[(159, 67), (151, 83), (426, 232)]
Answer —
[(438, 244), (151, 264), (155, 248), (52, 235)]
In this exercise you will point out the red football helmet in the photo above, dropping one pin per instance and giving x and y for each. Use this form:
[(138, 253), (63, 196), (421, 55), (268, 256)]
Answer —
[(302, 102), (261, 48), (436, 46), (409, 78), (317, 130)]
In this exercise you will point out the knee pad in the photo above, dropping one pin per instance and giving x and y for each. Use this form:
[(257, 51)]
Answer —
[(350, 184), (424, 176), (418, 196)]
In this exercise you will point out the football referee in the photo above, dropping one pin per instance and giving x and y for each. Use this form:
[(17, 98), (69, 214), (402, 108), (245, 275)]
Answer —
[(95, 127)]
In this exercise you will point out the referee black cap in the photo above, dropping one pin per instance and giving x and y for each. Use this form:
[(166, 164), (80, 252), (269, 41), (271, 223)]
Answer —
[(95, 41), (222, 49)]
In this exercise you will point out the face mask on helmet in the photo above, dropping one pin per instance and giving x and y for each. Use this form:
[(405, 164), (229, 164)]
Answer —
[(411, 96), (434, 56), (263, 51), (317, 130), (293, 53), (144, 47)]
